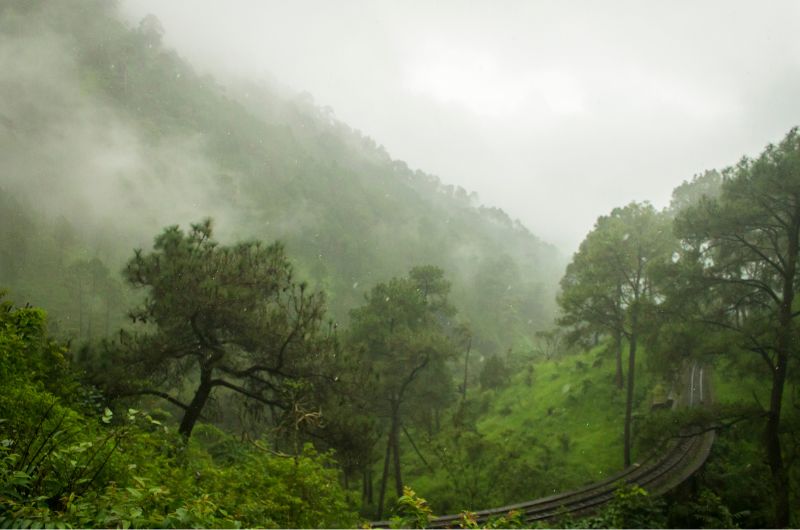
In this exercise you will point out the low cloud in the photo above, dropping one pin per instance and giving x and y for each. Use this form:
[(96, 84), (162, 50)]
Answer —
[(73, 156)]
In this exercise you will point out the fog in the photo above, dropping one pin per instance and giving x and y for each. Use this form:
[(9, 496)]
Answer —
[(554, 111), (70, 155), (107, 137)]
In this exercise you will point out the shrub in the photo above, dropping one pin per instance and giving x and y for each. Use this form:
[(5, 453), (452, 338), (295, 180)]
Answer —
[(495, 373), (632, 507), (412, 511), (63, 463)]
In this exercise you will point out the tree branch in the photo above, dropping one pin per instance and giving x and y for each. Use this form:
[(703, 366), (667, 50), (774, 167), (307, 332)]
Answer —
[(158, 393), (753, 247), (245, 392)]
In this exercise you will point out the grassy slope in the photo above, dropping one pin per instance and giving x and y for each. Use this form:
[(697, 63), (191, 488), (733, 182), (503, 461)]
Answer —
[(578, 398), (731, 385), (567, 426)]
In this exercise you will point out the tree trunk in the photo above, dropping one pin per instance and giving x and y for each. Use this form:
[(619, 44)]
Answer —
[(629, 397), (398, 477), (619, 378), (80, 309), (364, 486), (385, 476), (199, 400), (370, 496), (92, 298), (466, 367), (780, 478), (772, 439), (108, 311)]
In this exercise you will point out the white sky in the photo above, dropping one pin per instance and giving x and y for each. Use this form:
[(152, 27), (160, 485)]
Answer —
[(556, 111)]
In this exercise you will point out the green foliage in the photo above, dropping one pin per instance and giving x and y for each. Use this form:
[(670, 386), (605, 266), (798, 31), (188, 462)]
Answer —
[(281, 491), (741, 251), (230, 315), (279, 166), (737, 474), (512, 519), (412, 511), (272, 164), (464, 456), (255, 491), (482, 458), (26, 354), (707, 185), (705, 511), (64, 464), (400, 337), (608, 287), (632, 507), (608, 280), (495, 373)]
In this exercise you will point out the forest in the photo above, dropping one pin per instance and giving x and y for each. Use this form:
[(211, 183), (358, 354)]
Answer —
[(221, 306)]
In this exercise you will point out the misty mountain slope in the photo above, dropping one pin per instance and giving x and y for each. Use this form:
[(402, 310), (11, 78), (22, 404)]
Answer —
[(104, 127)]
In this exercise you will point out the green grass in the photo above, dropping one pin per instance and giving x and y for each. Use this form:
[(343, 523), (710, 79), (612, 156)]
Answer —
[(734, 382), (744, 380), (582, 404), (567, 426)]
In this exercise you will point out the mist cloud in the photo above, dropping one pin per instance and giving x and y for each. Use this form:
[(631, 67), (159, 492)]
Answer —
[(75, 157), (555, 111)]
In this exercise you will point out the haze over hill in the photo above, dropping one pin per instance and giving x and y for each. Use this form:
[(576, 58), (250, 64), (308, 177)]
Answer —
[(108, 135), (554, 111)]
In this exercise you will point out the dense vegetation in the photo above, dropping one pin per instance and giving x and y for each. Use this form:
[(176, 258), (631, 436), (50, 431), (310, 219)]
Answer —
[(346, 327), (66, 459)]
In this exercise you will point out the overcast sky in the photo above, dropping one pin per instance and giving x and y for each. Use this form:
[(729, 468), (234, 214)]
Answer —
[(556, 111)]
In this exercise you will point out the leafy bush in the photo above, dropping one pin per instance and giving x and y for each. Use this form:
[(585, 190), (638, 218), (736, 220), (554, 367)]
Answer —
[(512, 519), (412, 511), (707, 511), (632, 507), (495, 373), (123, 475), (63, 465)]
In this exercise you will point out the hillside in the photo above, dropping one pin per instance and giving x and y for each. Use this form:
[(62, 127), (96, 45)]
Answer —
[(551, 425), (107, 136)]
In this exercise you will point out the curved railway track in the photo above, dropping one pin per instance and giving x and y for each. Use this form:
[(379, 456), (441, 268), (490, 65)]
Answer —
[(657, 474)]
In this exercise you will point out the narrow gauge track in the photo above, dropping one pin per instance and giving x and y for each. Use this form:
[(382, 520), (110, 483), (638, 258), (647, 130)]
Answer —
[(658, 473)]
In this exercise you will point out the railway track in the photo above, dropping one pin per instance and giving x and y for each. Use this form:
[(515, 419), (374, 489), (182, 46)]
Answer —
[(657, 474)]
